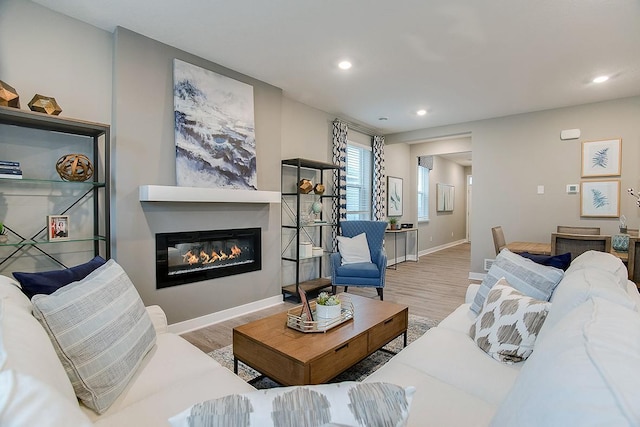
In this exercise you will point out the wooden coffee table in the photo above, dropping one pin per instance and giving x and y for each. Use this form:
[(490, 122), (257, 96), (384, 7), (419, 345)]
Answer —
[(291, 357)]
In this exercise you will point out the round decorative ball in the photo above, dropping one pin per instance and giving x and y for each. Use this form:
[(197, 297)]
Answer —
[(316, 208), (74, 167)]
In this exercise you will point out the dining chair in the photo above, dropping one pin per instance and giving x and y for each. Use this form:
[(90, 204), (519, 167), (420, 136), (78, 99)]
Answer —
[(567, 229), (633, 265), (577, 244), (498, 239)]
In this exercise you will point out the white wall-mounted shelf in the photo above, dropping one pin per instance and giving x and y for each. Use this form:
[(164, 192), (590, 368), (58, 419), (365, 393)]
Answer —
[(167, 193)]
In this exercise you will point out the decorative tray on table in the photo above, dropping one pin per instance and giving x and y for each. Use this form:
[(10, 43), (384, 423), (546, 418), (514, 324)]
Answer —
[(299, 321)]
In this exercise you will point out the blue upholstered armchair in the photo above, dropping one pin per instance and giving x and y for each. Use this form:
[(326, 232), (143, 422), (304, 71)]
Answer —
[(370, 274)]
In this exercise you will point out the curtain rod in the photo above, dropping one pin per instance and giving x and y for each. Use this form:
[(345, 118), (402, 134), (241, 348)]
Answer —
[(360, 128)]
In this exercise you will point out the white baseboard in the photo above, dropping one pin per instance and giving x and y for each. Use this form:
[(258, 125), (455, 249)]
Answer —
[(221, 316), (476, 276), (441, 247)]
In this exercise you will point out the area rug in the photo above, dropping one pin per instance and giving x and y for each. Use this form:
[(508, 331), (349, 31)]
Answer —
[(417, 326)]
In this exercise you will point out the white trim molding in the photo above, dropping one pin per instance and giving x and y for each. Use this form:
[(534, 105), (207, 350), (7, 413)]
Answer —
[(168, 193)]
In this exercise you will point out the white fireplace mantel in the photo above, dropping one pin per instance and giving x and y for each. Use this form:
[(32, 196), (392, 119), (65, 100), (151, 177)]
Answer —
[(167, 193)]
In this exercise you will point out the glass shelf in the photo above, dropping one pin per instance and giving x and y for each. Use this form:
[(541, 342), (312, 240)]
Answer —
[(55, 242), (50, 181)]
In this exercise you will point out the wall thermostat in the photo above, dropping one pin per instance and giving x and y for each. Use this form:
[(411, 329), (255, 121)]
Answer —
[(572, 188)]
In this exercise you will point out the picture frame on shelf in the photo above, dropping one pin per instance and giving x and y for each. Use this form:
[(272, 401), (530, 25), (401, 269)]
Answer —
[(600, 199), (602, 158), (394, 196), (58, 228)]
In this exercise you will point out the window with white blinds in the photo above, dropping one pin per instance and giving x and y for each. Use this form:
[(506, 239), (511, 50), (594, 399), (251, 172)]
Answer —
[(423, 193), (359, 176)]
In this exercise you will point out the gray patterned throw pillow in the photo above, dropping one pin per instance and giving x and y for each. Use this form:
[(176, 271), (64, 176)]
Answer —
[(509, 323)]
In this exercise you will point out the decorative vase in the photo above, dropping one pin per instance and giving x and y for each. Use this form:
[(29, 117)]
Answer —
[(620, 242), (328, 311)]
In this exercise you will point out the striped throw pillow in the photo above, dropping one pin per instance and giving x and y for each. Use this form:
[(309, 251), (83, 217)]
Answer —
[(100, 330), (534, 280)]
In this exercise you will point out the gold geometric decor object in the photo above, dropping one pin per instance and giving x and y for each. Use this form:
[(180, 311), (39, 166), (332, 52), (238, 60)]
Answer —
[(74, 167), (305, 186), (318, 189), (45, 104), (8, 96)]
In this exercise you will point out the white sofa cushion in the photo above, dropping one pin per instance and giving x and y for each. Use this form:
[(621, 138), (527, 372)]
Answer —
[(509, 323), (603, 261), (26, 348), (347, 403), (10, 290), (25, 401), (453, 358), (585, 373), (438, 403), (534, 280), (100, 330), (577, 287), (156, 408), (354, 249)]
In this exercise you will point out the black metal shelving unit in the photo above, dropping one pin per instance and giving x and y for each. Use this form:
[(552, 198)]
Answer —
[(314, 231), (98, 188)]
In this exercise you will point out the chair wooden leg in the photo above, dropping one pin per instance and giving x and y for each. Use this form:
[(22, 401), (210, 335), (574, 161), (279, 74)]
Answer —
[(333, 289), (380, 293)]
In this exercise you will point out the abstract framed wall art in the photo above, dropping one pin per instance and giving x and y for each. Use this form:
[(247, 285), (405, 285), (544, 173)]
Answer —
[(214, 129), (445, 195), (601, 158), (394, 196), (600, 199)]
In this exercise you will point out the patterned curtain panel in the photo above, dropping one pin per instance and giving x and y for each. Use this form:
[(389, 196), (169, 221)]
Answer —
[(378, 190), (426, 162), (340, 130)]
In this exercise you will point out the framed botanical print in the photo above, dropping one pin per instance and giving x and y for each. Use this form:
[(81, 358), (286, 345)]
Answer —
[(601, 158), (600, 199), (394, 196)]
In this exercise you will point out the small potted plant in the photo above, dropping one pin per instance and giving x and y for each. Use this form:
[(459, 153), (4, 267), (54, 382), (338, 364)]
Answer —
[(3, 234), (328, 306), (393, 223)]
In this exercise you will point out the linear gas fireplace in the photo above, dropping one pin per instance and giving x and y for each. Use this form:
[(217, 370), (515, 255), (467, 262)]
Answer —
[(194, 256)]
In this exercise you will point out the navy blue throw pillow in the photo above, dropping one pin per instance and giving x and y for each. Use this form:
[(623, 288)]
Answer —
[(47, 282), (558, 261)]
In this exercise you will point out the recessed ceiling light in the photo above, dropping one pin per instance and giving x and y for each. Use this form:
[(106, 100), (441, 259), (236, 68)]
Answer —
[(344, 65), (600, 79), (421, 112)]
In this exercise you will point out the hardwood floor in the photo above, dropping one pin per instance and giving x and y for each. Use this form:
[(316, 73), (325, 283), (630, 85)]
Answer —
[(432, 287)]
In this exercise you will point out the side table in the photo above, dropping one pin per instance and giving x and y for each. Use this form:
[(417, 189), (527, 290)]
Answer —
[(405, 232)]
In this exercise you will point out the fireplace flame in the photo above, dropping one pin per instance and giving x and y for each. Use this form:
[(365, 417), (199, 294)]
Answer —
[(204, 258)]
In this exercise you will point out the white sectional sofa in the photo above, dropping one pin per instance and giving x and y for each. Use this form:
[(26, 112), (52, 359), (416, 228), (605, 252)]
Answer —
[(584, 370)]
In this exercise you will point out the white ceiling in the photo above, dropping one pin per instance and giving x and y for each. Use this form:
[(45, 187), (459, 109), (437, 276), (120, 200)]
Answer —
[(461, 60)]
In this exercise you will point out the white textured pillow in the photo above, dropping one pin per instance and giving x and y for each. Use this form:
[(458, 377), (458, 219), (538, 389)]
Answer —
[(25, 401), (347, 403), (354, 249), (509, 323), (100, 330)]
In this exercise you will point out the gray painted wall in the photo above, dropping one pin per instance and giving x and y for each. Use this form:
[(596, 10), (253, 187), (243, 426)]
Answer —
[(144, 153), (513, 155)]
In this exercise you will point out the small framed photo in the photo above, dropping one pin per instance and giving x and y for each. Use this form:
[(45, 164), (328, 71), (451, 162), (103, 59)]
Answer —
[(58, 227), (601, 158), (394, 196), (306, 307), (600, 199)]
